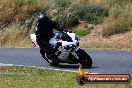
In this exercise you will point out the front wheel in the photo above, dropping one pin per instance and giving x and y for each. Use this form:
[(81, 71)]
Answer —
[(84, 59)]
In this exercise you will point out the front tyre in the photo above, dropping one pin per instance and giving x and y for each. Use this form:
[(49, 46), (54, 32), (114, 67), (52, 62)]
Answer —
[(84, 59)]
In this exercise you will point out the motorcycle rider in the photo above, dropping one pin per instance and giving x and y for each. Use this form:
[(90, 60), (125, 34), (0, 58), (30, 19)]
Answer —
[(44, 31)]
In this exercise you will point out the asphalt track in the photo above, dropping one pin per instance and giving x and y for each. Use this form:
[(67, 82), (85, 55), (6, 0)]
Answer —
[(104, 61)]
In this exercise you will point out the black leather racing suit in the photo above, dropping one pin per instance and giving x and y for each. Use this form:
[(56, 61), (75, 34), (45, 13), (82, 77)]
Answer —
[(44, 31)]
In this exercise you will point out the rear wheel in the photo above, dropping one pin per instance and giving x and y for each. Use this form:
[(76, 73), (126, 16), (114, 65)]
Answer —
[(50, 59), (84, 59)]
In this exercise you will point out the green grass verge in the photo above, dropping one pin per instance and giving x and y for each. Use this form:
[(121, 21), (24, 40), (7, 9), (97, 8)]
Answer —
[(81, 31), (29, 77)]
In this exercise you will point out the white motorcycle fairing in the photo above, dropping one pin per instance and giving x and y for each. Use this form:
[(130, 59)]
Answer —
[(64, 53), (53, 40)]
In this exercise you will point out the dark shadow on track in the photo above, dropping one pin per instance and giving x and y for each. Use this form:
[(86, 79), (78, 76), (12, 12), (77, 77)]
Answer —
[(72, 66), (68, 66)]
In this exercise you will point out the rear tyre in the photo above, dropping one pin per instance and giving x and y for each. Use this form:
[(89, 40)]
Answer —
[(52, 60), (84, 59)]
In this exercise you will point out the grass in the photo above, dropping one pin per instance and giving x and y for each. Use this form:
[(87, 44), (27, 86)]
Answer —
[(19, 10), (30, 77), (119, 21), (118, 46), (82, 31), (95, 40), (116, 27), (15, 36)]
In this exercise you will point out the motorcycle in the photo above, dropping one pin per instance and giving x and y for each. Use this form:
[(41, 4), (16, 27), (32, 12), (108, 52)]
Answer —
[(66, 50)]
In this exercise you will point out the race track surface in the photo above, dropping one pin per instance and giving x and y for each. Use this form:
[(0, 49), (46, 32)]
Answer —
[(104, 61)]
